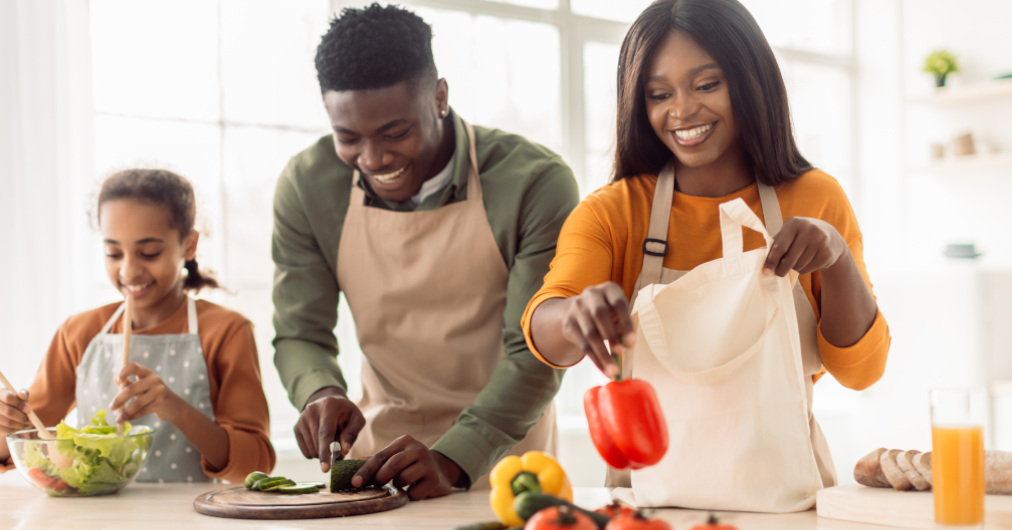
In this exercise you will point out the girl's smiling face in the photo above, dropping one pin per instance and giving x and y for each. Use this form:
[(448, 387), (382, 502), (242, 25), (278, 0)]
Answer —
[(144, 257), (688, 103)]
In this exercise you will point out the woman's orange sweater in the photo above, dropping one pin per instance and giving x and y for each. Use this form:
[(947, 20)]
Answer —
[(602, 240)]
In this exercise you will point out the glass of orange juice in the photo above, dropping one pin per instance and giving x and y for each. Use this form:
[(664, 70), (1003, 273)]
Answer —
[(958, 417)]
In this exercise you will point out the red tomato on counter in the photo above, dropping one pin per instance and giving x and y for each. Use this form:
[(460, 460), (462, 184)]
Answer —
[(626, 423), (615, 509), (560, 518), (713, 524), (636, 521)]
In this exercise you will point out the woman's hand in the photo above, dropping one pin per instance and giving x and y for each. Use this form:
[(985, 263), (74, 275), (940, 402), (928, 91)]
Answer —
[(149, 395), (596, 319), (805, 245), (13, 412)]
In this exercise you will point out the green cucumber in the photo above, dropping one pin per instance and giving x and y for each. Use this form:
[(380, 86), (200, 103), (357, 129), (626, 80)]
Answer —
[(273, 486), (491, 525), (341, 473), (301, 487), (253, 477), (270, 482), (529, 503)]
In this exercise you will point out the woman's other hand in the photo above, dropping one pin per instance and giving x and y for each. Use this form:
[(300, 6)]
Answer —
[(804, 245), (148, 393)]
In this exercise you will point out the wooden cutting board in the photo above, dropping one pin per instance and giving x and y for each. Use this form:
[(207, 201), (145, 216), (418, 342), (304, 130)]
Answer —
[(241, 503), (903, 509)]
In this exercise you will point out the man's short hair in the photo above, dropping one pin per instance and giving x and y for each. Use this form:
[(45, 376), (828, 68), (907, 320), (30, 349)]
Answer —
[(374, 47)]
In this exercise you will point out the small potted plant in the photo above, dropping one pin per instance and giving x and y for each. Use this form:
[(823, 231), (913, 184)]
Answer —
[(940, 63)]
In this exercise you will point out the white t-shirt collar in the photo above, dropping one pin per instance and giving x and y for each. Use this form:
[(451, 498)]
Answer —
[(436, 183)]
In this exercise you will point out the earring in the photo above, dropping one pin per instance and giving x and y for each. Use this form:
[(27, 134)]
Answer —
[(442, 113)]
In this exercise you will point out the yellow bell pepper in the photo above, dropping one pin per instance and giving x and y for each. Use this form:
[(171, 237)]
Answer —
[(535, 472)]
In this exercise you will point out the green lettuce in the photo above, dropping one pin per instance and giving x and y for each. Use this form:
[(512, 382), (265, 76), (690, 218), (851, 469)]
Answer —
[(102, 461)]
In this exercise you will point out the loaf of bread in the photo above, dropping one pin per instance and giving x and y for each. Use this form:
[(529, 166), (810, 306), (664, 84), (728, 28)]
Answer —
[(911, 470)]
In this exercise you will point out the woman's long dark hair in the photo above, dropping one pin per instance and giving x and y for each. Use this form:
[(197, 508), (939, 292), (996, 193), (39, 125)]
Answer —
[(727, 31), (162, 188)]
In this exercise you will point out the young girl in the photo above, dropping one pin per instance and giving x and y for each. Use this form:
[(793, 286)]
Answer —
[(193, 374), (703, 120)]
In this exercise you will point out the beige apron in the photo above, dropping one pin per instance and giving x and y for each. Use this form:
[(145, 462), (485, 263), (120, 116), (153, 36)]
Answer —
[(427, 291), (653, 272)]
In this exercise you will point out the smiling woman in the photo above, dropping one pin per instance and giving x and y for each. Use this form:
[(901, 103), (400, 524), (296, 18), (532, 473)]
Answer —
[(190, 369), (705, 147)]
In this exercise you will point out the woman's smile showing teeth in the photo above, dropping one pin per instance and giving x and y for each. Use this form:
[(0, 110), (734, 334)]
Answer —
[(388, 178), (693, 135), (136, 289)]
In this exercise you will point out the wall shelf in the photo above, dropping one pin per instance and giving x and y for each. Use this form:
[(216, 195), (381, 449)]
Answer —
[(971, 93), (993, 161)]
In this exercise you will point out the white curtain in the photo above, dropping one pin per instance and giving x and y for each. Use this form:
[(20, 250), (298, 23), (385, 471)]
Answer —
[(45, 174)]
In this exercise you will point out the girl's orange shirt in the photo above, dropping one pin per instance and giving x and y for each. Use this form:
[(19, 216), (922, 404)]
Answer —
[(233, 367), (602, 240)]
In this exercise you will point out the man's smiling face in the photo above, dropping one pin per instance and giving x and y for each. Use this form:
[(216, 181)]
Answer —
[(391, 135)]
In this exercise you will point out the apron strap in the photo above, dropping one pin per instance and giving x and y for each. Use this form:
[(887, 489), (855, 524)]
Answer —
[(772, 217), (191, 315), (655, 247), (112, 319), (473, 183)]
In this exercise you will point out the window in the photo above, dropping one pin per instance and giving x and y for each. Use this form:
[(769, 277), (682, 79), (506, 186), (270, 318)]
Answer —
[(225, 93)]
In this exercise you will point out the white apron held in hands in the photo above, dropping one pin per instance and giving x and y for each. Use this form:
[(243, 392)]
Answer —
[(731, 353)]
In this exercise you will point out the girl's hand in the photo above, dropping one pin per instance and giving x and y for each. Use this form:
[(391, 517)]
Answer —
[(149, 395), (13, 411), (805, 245), (598, 315)]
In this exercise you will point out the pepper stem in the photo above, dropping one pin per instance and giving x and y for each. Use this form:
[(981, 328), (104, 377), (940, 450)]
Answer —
[(525, 481), (618, 361)]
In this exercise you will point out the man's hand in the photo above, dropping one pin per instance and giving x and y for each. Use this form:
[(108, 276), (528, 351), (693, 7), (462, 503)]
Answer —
[(409, 464), (329, 415)]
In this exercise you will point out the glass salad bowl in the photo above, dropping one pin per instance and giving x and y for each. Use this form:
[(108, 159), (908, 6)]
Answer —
[(93, 460)]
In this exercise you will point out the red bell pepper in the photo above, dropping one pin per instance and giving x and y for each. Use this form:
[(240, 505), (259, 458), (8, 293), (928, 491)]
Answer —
[(626, 423)]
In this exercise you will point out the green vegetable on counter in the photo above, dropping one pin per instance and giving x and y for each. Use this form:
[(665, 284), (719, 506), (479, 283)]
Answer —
[(341, 473)]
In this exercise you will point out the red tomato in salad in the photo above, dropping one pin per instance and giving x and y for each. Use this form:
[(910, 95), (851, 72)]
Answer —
[(60, 485), (40, 477)]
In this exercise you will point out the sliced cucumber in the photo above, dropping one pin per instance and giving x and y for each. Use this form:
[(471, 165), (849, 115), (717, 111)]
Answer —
[(278, 483), (253, 477), (301, 487)]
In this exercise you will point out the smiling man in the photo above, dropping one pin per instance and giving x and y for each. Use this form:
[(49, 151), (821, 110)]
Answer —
[(437, 234)]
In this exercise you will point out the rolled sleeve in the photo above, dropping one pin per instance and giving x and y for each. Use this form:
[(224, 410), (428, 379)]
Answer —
[(861, 364), (241, 407), (305, 298)]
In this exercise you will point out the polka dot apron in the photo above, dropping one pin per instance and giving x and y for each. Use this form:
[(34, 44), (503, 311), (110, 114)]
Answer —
[(179, 360)]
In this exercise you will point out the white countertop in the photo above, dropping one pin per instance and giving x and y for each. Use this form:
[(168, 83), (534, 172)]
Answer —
[(170, 506)]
